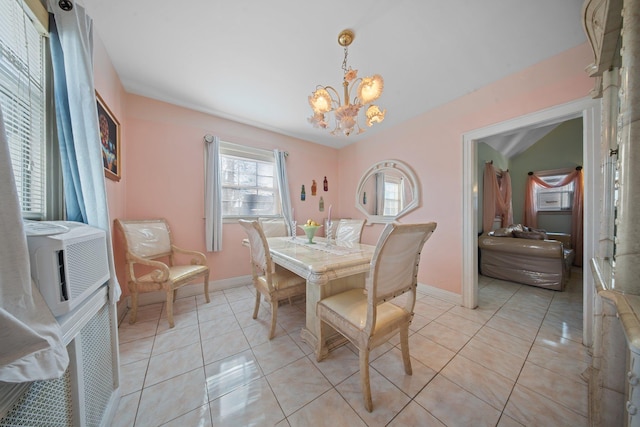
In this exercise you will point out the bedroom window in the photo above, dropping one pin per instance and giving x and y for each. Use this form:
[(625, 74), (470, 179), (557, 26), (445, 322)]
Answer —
[(249, 184), (558, 199), (23, 97)]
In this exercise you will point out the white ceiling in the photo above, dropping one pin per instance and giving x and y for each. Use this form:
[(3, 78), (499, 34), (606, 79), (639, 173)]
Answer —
[(256, 61)]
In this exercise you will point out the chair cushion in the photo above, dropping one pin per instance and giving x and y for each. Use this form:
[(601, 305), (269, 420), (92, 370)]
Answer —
[(283, 279), (352, 306), (178, 273)]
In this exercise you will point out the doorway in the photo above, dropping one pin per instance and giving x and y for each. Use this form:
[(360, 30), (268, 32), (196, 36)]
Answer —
[(589, 110)]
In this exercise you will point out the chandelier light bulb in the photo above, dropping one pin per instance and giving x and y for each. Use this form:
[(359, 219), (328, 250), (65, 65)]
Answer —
[(370, 89)]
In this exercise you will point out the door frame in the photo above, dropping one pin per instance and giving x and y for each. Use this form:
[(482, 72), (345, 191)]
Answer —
[(590, 111)]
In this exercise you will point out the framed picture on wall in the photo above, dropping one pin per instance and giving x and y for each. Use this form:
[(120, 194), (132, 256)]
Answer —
[(110, 140)]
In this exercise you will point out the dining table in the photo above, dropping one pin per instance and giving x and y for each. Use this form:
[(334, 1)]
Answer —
[(329, 268)]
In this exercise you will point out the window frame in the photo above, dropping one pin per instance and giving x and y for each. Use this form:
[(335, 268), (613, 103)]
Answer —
[(51, 186), (250, 154), (560, 191)]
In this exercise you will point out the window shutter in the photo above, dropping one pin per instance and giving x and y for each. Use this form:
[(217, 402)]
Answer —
[(23, 97)]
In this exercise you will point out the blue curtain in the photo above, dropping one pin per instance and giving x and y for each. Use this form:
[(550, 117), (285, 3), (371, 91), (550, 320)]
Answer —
[(283, 184), (77, 121), (213, 194)]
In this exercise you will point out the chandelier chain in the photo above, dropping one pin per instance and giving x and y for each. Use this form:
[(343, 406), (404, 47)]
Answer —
[(344, 62)]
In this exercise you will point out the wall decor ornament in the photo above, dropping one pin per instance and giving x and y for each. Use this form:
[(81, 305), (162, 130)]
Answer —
[(326, 184), (110, 140), (303, 194), (321, 204), (314, 187)]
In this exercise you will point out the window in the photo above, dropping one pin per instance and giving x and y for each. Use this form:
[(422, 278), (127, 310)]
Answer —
[(23, 97), (392, 195), (559, 199), (249, 184)]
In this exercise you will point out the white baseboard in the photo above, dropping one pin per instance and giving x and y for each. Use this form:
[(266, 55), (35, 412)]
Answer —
[(185, 291), (234, 282), (447, 296)]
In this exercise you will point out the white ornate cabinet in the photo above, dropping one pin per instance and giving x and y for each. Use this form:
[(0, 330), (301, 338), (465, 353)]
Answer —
[(613, 30)]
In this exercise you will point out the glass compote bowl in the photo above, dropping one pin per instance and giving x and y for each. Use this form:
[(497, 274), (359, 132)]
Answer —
[(310, 231)]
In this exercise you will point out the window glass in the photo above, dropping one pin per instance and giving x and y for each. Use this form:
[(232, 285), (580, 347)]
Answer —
[(554, 199), (391, 196), (23, 100), (249, 184)]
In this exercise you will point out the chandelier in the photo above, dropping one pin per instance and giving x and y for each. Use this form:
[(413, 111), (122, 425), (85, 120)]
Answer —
[(326, 99)]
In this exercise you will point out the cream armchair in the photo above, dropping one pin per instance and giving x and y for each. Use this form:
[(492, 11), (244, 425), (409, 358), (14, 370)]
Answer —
[(148, 243), (370, 317)]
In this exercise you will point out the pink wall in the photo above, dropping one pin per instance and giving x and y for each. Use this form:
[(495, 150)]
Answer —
[(165, 174), (108, 85), (432, 145)]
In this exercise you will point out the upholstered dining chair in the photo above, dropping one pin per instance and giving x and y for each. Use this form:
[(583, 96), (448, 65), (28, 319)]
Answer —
[(370, 317), (153, 262), (272, 281), (349, 230), (274, 227)]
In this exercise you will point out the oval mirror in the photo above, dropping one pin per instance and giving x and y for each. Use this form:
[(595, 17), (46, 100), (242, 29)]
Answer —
[(387, 191)]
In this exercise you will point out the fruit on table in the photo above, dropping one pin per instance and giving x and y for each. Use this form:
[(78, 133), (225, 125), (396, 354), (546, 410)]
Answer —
[(311, 223)]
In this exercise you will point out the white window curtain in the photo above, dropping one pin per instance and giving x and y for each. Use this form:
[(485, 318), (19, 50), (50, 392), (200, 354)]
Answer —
[(32, 347), (213, 194), (379, 207), (77, 121), (283, 185)]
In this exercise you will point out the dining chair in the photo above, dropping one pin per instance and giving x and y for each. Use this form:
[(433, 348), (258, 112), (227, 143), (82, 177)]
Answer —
[(349, 230), (153, 262), (272, 281), (368, 318), (274, 227)]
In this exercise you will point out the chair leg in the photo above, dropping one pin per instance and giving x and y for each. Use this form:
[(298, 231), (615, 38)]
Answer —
[(257, 307), (404, 345), (170, 295), (320, 343), (206, 287), (274, 317), (364, 379), (134, 307)]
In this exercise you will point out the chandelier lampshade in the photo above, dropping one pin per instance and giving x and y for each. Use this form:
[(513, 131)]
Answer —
[(325, 100)]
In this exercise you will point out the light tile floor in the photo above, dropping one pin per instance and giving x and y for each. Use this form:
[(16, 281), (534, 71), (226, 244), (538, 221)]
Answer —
[(515, 360)]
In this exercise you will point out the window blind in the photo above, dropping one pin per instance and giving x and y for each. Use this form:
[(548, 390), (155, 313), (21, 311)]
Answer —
[(23, 97)]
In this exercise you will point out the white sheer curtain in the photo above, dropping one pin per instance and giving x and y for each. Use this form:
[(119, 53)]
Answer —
[(283, 185), (31, 346), (77, 121), (212, 194), (379, 207)]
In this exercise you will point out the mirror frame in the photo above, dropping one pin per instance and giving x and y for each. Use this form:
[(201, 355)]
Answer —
[(393, 165)]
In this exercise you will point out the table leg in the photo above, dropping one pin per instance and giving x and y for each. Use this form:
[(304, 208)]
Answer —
[(316, 292)]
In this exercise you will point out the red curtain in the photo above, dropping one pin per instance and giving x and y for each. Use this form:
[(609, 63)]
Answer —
[(531, 210), (496, 199)]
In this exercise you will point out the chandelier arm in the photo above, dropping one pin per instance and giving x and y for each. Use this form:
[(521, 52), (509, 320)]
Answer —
[(353, 84), (335, 92)]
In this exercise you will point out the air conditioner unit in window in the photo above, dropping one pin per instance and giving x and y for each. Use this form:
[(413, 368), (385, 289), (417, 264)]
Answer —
[(68, 262)]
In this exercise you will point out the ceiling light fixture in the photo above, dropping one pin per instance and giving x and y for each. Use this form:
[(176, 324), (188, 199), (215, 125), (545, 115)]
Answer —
[(346, 115)]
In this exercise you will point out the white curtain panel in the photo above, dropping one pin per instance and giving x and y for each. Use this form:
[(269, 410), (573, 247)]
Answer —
[(31, 345), (283, 184), (212, 194), (74, 29)]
